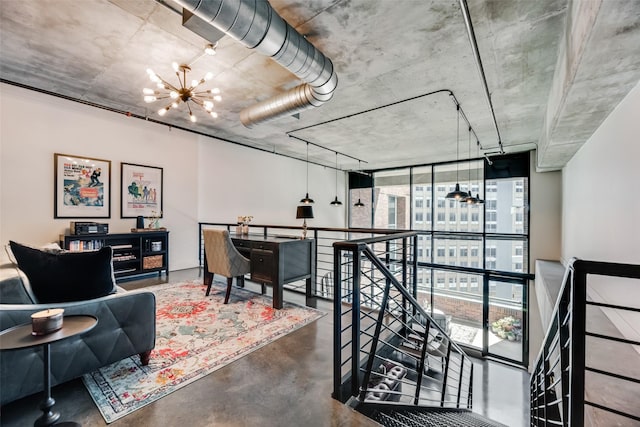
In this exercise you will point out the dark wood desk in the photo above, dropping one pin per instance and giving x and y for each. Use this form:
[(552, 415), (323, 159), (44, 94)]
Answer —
[(280, 260)]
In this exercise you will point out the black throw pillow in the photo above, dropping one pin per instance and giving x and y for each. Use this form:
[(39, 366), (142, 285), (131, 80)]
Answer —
[(66, 276)]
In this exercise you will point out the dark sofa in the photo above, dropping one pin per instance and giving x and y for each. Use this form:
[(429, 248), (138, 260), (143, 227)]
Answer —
[(126, 327)]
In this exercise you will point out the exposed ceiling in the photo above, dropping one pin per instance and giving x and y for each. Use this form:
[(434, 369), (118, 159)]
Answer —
[(554, 68)]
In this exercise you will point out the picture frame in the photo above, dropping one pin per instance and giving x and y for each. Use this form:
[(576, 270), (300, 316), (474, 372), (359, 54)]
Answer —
[(82, 187), (141, 191)]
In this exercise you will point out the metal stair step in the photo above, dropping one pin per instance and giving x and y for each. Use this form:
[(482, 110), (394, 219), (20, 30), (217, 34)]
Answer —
[(429, 417)]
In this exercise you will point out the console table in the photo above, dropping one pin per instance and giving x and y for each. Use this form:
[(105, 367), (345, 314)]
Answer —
[(277, 261), (21, 337)]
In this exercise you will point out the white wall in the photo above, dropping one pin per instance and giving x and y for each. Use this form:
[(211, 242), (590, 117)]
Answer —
[(239, 181), (204, 179), (601, 183), (545, 225)]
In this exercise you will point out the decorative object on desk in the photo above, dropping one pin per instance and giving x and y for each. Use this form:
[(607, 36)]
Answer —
[(244, 223), (46, 321), (140, 221), (306, 199), (304, 212), (195, 336), (82, 187), (140, 190), (154, 220)]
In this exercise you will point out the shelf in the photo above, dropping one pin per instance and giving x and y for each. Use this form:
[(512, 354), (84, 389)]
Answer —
[(131, 250)]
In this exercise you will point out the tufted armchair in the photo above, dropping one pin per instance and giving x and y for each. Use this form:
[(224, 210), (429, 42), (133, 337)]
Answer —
[(126, 327), (222, 258)]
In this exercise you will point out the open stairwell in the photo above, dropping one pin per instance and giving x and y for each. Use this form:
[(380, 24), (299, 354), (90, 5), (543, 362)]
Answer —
[(411, 416)]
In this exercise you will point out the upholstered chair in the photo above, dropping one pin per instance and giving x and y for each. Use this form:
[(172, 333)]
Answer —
[(222, 258)]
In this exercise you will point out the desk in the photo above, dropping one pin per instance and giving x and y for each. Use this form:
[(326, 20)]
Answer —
[(21, 337), (279, 260)]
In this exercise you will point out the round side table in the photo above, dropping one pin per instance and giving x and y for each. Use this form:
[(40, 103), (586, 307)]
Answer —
[(21, 337)]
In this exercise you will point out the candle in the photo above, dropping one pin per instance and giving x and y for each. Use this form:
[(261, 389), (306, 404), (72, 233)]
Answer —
[(46, 321)]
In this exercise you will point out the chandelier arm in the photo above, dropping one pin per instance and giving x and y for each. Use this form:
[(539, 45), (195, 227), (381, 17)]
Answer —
[(166, 83)]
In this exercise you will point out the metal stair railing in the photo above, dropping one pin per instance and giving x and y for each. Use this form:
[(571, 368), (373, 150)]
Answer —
[(386, 346), (587, 372)]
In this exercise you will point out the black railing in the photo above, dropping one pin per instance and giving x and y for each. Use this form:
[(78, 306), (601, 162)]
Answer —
[(588, 371), (386, 347)]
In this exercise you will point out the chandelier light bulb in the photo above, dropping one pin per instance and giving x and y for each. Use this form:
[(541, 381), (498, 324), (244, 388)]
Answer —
[(162, 111), (175, 66), (173, 94), (148, 91), (150, 71), (214, 114), (208, 105), (217, 98), (215, 91), (174, 104), (210, 49), (208, 76), (192, 117), (150, 98)]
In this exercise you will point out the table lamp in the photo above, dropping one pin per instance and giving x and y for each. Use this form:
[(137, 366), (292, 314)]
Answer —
[(304, 212)]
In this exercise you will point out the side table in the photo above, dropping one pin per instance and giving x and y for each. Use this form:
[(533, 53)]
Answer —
[(21, 337)]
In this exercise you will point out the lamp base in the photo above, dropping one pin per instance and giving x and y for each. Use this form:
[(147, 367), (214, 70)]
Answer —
[(304, 230)]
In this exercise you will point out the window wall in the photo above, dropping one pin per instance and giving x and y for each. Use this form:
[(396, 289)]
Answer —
[(470, 255)]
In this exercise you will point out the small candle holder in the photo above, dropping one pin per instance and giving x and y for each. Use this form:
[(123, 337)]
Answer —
[(46, 321)]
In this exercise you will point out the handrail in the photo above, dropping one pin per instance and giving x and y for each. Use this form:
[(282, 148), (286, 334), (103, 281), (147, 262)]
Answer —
[(558, 382), (379, 326)]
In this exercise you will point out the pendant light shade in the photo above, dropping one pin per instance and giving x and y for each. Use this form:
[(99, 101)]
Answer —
[(457, 194), (336, 202), (306, 199)]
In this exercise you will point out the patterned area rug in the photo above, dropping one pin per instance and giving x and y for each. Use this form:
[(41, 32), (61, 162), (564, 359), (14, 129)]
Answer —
[(195, 335)]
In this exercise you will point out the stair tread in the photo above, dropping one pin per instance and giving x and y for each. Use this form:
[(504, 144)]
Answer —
[(431, 417)]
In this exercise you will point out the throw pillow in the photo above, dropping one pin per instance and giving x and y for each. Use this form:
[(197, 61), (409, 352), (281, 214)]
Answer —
[(66, 276)]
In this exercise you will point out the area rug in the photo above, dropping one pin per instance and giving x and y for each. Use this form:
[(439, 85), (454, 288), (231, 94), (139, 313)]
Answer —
[(195, 335)]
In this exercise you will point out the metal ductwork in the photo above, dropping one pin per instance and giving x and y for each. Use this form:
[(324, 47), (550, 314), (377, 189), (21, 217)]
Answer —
[(255, 24)]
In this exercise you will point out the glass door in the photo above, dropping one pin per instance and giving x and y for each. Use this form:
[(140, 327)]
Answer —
[(507, 336)]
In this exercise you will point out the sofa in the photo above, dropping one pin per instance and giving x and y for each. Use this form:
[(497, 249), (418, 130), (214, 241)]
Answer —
[(126, 327)]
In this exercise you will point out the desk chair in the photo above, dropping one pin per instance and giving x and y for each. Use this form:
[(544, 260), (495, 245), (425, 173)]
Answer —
[(222, 258)]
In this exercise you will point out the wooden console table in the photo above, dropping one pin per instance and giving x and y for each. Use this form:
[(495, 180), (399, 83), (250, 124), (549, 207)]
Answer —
[(277, 261)]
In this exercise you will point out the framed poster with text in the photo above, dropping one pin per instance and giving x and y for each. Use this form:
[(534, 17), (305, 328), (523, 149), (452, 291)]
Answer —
[(82, 187), (141, 191)]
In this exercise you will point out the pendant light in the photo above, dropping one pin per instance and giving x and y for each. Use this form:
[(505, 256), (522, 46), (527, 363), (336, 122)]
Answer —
[(307, 200), (336, 202), (478, 199), (359, 203), (457, 194), (469, 199)]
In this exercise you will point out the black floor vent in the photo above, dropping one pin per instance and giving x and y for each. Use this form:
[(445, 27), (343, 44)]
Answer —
[(428, 417)]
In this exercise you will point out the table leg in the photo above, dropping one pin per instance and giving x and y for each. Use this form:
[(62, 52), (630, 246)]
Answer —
[(48, 417)]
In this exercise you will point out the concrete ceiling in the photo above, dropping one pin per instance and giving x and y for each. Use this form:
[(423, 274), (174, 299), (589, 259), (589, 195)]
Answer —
[(554, 68)]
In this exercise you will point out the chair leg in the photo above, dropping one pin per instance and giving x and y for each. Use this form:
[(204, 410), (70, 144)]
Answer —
[(263, 289), (240, 281), (229, 283), (210, 282)]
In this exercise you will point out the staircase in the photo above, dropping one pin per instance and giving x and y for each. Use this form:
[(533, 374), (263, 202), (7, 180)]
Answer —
[(411, 416), (392, 361)]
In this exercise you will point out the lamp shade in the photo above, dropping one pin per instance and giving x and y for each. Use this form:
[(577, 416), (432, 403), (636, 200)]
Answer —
[(304, 211), (457, 194)]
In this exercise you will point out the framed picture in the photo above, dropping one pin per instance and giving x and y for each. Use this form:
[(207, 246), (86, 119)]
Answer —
[(141, 191), (82, 187)]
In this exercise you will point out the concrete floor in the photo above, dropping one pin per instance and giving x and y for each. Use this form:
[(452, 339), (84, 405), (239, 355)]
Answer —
[(286, 383)]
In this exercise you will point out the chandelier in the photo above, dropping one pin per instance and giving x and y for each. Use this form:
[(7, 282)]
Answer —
[(183, 93)]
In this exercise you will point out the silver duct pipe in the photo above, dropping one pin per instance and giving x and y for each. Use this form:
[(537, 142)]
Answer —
[(255, 24)]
